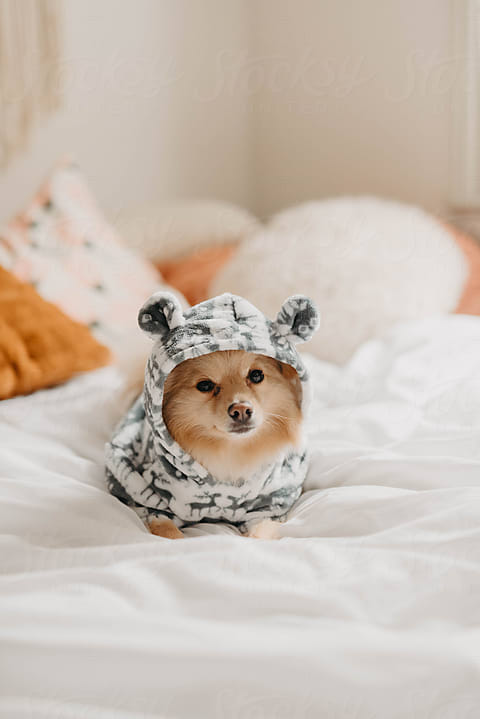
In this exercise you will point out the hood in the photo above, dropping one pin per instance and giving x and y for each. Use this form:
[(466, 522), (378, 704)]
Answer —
[(227, 322)]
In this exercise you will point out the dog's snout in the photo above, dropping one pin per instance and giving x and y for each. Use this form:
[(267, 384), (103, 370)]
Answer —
[(241, 412)]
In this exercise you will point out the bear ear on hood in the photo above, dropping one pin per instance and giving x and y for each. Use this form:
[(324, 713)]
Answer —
[(160, 314), (297, 320)]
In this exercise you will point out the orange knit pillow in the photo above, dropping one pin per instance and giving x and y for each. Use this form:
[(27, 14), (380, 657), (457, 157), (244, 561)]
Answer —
[(39, 345), (469, 303)]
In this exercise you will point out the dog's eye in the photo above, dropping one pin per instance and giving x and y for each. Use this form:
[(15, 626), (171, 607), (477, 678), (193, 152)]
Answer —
[(256, 376), (205, 385)]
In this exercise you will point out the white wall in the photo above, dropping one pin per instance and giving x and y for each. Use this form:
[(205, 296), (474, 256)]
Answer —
[(141, 114), (354, 98), (261, 102)]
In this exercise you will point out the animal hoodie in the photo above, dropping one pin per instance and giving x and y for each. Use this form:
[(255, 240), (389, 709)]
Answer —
[(148, 470)]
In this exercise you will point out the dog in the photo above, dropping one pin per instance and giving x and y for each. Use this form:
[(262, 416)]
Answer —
[(215, 434), (234, 412)]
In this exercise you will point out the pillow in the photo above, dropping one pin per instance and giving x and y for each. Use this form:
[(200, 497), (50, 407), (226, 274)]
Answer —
[(193, 275), (173, 231), (366, 262), (469, 303), (64, 247), (39, 345)]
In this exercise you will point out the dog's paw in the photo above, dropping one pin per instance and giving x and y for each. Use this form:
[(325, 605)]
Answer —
[(265, 529), (165, 528)]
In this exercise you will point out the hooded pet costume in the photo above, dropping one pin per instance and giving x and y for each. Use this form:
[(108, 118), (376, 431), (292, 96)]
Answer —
[(148, 470)]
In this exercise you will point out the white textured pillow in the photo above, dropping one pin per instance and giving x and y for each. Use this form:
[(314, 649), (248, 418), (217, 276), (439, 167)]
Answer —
[(171, 231), (366, 262)]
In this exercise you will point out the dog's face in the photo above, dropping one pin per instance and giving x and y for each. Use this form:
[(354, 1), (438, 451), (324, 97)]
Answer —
[(232, 396)]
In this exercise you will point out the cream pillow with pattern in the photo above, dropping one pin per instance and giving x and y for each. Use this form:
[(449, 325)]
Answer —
[(63, 246)]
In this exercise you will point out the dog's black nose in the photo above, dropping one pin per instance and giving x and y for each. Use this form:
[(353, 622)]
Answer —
[(241, 412)]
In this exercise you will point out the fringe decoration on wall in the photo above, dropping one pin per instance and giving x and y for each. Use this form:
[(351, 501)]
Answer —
[(29, 69)]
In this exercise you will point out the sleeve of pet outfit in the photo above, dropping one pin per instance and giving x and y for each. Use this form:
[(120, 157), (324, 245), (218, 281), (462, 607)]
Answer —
[(147, 470)]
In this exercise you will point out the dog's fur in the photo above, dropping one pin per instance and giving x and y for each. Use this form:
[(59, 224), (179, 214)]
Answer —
[(200, 421)]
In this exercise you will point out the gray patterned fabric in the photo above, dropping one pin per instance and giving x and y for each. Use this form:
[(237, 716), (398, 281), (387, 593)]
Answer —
[(149, 471)]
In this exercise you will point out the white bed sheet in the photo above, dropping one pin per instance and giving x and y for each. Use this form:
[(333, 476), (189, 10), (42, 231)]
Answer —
[(368, 606)]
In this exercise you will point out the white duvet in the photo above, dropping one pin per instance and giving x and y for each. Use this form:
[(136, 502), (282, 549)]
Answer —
[(368, 607)]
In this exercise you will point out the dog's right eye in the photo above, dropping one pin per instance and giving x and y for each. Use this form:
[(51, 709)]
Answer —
[(205, 385)]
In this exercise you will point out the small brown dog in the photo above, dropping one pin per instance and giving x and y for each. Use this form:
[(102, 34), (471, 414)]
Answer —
[(233, 411)]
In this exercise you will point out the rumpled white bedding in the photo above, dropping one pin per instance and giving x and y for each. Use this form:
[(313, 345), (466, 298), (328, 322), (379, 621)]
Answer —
[(368, 607)]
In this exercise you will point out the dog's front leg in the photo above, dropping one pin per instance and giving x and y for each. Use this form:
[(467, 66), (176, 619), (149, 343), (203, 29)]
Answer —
[(165, 528), (264, 529)]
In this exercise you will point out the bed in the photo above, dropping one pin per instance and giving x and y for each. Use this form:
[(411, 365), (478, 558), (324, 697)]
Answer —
[(366, 607)]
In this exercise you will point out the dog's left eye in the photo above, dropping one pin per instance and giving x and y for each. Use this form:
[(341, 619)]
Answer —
[(205, 385), (256, 376)]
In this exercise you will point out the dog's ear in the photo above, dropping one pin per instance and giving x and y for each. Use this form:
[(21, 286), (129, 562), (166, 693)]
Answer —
[(297, 320), (160, 314)]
